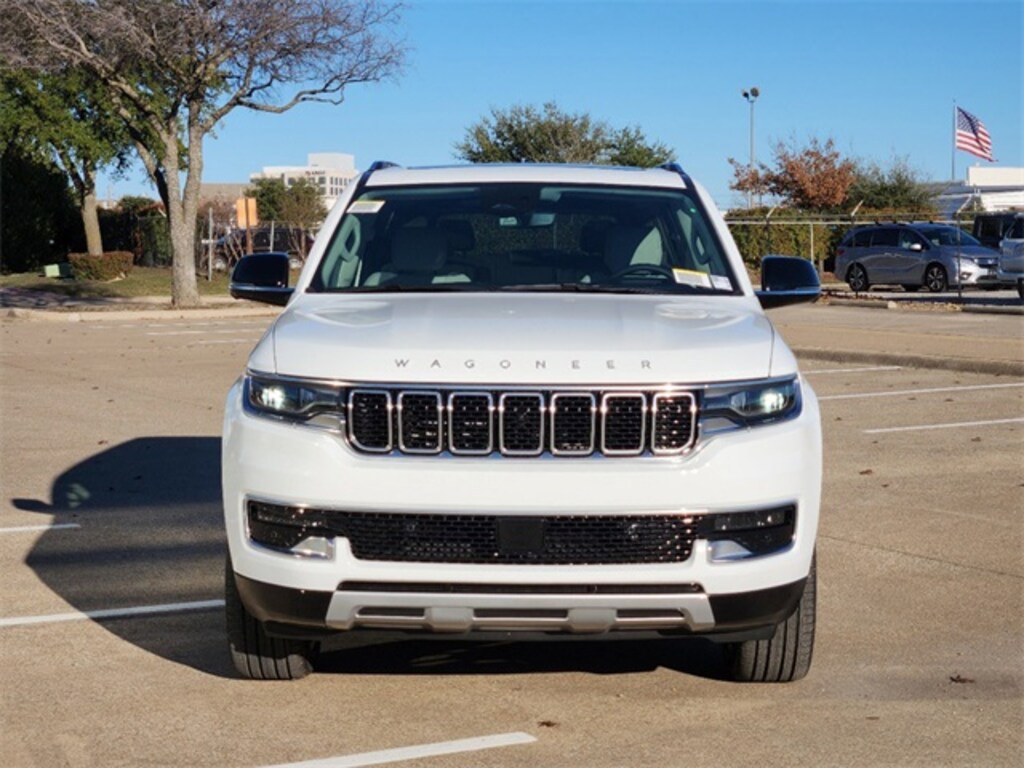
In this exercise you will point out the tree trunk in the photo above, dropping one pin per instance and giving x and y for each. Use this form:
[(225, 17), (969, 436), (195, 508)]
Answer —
[(91, 222), (184, 286)]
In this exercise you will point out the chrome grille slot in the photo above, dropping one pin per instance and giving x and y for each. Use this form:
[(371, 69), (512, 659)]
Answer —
[(419, 422), (624, 419), (369, 420), (673, 422), (572, 423), (470, 430), (521, 419), (561, 421)]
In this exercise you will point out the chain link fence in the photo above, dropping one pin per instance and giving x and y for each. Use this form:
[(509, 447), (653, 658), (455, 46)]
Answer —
[(813, 237)]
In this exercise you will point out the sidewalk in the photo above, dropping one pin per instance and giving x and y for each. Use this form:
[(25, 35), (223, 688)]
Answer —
[(42, 305), (874, 331)]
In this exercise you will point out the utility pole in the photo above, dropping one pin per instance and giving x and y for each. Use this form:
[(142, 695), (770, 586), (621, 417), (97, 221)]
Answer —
[(751, 97)]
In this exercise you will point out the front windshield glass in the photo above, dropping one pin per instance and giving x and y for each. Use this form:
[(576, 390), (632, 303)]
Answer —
[(948, 236), (525, 237)]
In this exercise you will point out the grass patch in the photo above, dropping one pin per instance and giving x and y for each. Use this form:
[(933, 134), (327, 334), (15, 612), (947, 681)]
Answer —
[(142, 281)]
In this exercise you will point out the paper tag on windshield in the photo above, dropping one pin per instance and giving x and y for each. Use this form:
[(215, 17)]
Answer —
[(691, 277), (366, 206), (721, 282)]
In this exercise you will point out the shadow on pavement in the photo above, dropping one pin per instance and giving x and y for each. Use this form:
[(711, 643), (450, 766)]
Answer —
[(152, 534)]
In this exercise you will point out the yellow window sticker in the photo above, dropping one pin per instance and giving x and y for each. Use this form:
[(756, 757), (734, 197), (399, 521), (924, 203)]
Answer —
[(366, 206), (692, 277)]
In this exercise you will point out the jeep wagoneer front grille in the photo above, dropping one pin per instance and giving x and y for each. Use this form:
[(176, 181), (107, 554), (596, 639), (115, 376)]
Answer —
[(521, 423)]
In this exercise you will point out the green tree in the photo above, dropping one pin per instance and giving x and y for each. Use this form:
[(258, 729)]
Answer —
[(302, 205), (270, 195), (524, 134), (897, 188), (33, 234), (630, 147), (172, 71), (136, 204), (60, 116)]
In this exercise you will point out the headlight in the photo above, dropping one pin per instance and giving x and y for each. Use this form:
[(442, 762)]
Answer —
[(750, 404), (294, 399)]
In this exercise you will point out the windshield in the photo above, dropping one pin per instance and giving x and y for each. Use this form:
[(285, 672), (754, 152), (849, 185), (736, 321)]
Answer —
[(947, 236), (528, 237)]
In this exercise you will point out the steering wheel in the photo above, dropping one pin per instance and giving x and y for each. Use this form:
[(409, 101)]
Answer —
[(645, 269)]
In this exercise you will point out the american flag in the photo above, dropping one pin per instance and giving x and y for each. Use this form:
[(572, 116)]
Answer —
[(971, 135)]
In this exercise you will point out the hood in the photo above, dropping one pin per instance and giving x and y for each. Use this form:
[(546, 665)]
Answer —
[(971, 252), (519, 339)]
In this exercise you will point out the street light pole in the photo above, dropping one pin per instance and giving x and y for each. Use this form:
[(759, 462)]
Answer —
[(751, 97)]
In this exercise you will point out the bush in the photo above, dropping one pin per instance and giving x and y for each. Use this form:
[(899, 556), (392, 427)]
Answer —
[(108, 266)]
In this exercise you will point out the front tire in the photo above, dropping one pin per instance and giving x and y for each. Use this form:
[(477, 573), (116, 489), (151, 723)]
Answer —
[(784, 657), (256, 655), (857, 278), (935, 279)]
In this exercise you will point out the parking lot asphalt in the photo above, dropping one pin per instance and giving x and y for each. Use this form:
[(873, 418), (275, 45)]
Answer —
[(112, 648)]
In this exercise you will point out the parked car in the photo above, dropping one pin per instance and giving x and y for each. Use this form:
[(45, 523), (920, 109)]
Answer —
[(528, 397), (294, 241), (933, 256), (991, 227), (1011, 265)]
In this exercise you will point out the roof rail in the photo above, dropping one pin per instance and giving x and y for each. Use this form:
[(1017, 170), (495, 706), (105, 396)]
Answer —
[(379, 165), (675, 167)]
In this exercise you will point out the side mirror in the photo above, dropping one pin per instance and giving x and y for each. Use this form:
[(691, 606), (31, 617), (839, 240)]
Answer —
[(787, 280), (262, 277), (916, 247)]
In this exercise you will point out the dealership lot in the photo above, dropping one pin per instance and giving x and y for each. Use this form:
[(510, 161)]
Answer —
[(111, 562)]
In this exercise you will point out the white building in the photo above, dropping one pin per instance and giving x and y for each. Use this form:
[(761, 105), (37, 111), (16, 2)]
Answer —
[(330, 171), (990, 188)]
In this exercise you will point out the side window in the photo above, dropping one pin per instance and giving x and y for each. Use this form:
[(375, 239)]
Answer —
[(1016, 231), (989, 227), (908, 238), (341, 265), (885, 236), (861, 238)]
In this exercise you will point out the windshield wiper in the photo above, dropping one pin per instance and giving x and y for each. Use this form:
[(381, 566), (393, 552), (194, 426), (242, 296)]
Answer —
[(403, 288), (665, 290)]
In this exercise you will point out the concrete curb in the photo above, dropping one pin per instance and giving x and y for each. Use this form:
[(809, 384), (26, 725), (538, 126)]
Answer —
[(922, 306), (115, 314), (961, 364)]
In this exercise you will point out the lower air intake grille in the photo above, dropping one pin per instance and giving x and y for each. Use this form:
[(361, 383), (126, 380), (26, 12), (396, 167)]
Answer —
[(579, 540)]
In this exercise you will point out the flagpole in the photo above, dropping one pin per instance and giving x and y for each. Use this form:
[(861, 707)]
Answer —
[(953, 137)]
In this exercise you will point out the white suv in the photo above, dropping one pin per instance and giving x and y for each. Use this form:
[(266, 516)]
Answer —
[(532, 397)]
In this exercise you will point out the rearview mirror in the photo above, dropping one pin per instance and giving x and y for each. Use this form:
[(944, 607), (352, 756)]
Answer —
[(262, 277), (787, 280)]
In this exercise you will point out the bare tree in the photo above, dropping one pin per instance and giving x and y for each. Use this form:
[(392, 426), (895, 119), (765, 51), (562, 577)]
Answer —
[(173, 70)]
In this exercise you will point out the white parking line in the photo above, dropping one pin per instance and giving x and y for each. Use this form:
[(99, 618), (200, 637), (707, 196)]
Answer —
[(413, 753), (932, 390), (226, 341), (952, 425), (193, 333), (110, 613), (31, 528), (857, 370)]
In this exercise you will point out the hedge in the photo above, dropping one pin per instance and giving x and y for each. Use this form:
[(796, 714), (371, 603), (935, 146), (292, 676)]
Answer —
[(108, 266)]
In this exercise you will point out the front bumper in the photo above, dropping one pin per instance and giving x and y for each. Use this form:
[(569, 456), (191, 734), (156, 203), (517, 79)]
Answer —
[(750, 469), (298, 613)]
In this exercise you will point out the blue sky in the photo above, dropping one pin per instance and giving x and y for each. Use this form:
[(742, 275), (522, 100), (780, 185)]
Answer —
[(878, 78)]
